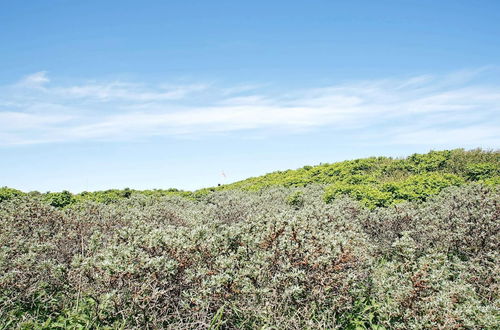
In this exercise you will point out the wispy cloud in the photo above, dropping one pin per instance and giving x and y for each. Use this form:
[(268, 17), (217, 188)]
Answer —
[(409, 110), (36, 79), (120, 91)]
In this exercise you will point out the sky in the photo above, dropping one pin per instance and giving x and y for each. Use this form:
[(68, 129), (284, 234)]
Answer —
[(97, 95)]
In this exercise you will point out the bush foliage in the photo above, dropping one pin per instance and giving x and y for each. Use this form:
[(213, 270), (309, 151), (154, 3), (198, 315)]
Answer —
[(375, 181), (376, 243), (280, 257)]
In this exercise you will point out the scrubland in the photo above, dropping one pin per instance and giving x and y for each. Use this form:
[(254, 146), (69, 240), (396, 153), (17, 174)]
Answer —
[(376, 243)]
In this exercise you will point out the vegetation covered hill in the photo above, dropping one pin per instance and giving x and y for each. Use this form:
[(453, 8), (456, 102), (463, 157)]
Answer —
[(375, 243), (382, 181), (375, 181), (472, 165)]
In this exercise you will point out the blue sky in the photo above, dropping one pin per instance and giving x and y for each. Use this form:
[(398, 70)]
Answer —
[(157, 94)]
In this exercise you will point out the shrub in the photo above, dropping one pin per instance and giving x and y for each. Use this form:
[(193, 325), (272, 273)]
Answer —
[(430, 162), (9, 193), (370, 195), (242, 259), (481, 171), (421, 186), (60, 199), (295, 199), (400, 243)]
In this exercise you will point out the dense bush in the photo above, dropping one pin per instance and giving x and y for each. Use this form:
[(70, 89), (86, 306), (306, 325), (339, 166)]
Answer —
[(370, 195), (418, 187), (481, 171), (375, 181), (61, 199), (399, 243), (470, 165), (278, 257), (9, 193)]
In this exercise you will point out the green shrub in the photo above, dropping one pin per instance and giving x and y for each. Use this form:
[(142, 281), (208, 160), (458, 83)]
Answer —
[(421, 186), (417, 187), (295, 199), (493, 181), (471, 165), (9, 193), (369, 195), (430, 162), (59, 199), (481, 171)]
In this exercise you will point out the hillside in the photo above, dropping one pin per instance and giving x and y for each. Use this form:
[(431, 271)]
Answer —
[(472, 165), (287, 250), (382, 181), (375, 181)]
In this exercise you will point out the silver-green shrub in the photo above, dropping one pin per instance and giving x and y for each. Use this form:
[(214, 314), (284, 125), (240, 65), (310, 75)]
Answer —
[(279, 257)]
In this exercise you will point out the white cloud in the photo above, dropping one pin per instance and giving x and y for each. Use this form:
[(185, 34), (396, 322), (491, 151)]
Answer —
[(36, 79), (119, 91), (420, 109)]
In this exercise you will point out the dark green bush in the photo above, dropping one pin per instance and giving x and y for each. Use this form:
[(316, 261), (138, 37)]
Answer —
[(9, 193), (60, 199), (481, 171), (296, 199)]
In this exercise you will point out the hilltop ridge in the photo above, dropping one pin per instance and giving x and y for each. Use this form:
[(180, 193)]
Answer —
[(375, 181)]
